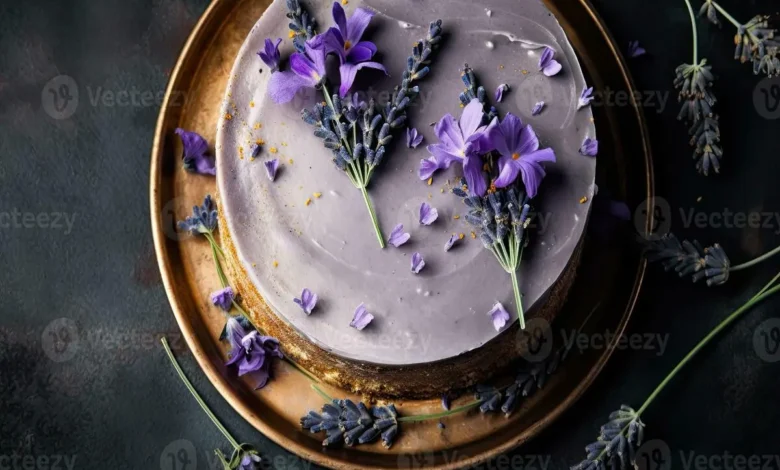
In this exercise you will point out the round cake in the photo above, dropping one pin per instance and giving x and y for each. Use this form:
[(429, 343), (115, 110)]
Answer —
[(309, 227)]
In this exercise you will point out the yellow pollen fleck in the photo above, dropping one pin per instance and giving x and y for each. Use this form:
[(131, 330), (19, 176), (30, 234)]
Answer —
[(260, 142), (441, 190), (276, 264), (583, 199), (501, 66), (228, 116), (291, 161), (347, 44), (473, 235), (515, 156), (317, 195), (344, 2), (524, 72), (461, 236), (284, 144), (456, 217), (254, 265), (251, 159), (257, 125), (430, 196), (592, 120), (291, 34), (308, 201), (430, 181), (486, 167), (251, 104), (273, 150), (461, 105)]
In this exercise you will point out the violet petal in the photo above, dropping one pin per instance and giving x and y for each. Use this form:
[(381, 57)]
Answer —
[(585, 98), (428, 214), (451, 242), (195, 156), (635, 50), (362, 318), (538, 107), (590, 147), (271, 167), (499, 315), (417, 263), (413, 138), (398, 237), (307, 302), (223, 298), (499, 94)]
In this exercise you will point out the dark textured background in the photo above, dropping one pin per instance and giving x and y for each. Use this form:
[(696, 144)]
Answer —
[(113, 401)]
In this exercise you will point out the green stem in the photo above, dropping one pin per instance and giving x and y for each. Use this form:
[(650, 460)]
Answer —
[(729, 320), (321, 393), (695, 33), (301, 369), (443, 414), (197, 397), (518, 300), (374, 220), (754, 262), (723, 12)]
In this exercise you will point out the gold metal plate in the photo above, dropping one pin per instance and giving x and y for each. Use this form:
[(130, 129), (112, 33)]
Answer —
[(610, 275)]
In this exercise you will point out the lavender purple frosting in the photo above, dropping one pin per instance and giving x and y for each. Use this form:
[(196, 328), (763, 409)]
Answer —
[(328, 245)]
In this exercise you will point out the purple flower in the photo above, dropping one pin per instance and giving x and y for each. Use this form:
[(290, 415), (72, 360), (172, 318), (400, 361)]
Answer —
[(362, 318), (585, 98), (590, 147), (271, 167), (251, 352), (398, 237), (445, 401), (461, 141), (499, 315), (428, 214), (195, 155), (223, 298), (344, 41), (308, 71), (417, 263), (249, 462), (547, 64), (270, 54), (635, 50), (538, 107), (451, 242), (499, 95), (520, 154), (307, 301), (413, 138)]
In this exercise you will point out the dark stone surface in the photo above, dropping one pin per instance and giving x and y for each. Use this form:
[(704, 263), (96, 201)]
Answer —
[(116, 403)]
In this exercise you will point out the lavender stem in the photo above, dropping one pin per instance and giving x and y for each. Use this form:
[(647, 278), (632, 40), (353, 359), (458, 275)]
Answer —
[(374, 220)]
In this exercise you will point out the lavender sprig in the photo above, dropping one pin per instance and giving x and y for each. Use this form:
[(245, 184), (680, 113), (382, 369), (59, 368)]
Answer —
[(474, 90), (617, 444), (302, 24), (358, 133)]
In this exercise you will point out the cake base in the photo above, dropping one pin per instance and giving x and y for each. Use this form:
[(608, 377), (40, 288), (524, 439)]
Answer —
[(416, 381)]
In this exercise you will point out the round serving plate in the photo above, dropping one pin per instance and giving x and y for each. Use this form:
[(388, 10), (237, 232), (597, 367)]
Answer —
[(604, 291)]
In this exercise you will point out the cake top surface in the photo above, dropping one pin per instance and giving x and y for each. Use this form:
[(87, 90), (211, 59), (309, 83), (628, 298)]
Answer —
[(309, 228)]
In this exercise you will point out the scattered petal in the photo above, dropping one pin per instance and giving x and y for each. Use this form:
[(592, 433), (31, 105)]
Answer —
[(585, 98), (271, 167), (547, 64), (590, 147), (270, 54), (195, 156), (499, 95), (413, 138), (417, 263), (398, 237), (451, 242), (428, 214), (635, 50), (538, 107), (307, 301), (223, 298), (445, 401), (362, 318), (499, 315)]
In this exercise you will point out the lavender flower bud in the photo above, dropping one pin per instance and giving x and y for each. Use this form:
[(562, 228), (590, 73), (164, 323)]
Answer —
[(332, 144), (486, 240), (474, 218), (323, 133), (340, 163), (391, 113), (352, 115), (384, 134), (464, 99), (345, 155), (375, 123), (358, 153), (421, 73), (380, 152), (481, 94), (337, 104), (403, 103), (369, 156), (410, 63), (399, 122), (309, 117)]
